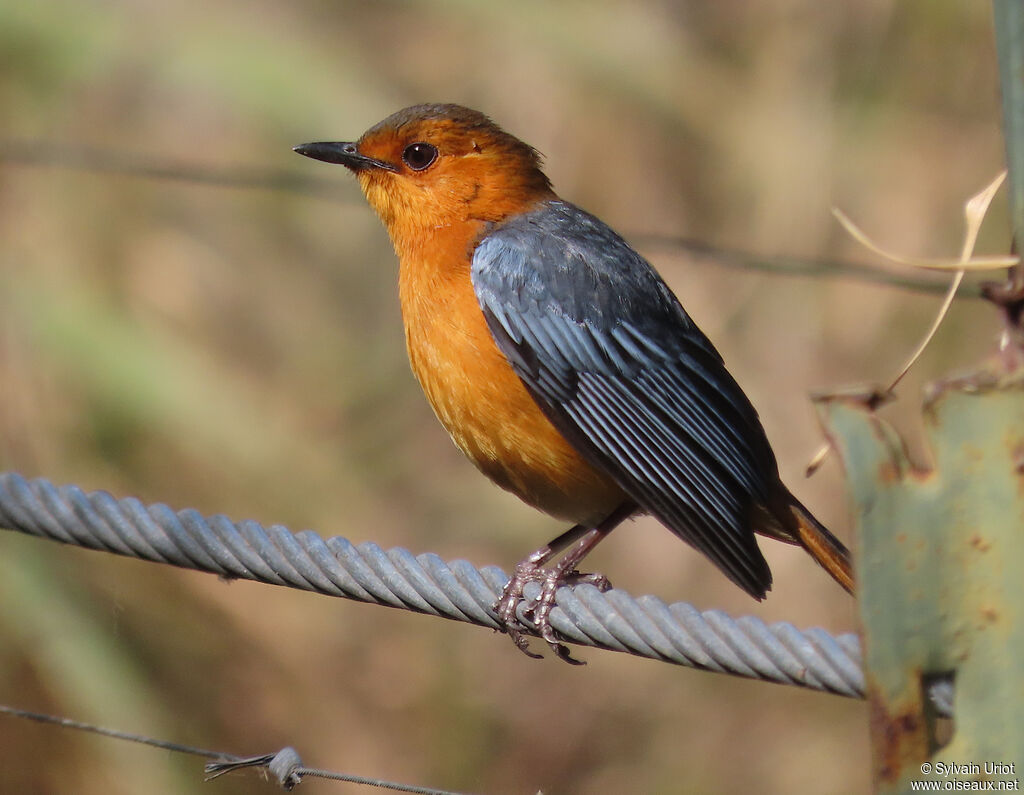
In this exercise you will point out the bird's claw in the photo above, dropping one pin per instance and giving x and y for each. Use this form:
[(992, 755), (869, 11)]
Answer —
[(538, 609), (521, 641)]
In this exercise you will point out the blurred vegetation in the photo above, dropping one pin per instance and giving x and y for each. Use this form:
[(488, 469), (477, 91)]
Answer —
[(241, 351)]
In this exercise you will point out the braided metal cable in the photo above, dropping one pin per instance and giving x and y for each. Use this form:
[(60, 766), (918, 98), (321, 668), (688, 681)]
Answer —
[(645, 626)]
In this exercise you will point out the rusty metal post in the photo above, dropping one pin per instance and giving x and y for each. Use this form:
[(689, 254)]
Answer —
[(941, 588)]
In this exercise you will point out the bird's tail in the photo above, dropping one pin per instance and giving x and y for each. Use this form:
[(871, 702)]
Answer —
[(825, 548)]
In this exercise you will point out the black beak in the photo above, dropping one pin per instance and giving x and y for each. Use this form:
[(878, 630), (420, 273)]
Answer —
[(345, 154)]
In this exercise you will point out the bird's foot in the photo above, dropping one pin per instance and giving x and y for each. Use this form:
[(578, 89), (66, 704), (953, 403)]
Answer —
[(538, 609)]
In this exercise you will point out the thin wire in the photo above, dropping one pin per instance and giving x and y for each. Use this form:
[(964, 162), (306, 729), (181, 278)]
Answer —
[(787, 265), (285, 765), (373, 782), (61, 155), (83, 158), (67, 723)]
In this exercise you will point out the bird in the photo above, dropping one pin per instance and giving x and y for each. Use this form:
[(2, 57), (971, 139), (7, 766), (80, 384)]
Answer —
[(561, 363)]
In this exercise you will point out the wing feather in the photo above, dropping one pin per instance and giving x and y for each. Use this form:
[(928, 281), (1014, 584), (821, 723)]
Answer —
[(615, 362)]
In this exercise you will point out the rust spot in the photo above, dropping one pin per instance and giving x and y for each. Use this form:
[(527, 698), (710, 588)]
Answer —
[(900, 740), (888, 472), (973, 454), (1017, 462), (989, 614), (901, 538), (980, 543)]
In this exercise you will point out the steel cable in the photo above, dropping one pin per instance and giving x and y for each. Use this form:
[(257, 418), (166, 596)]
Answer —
[(644, 626)]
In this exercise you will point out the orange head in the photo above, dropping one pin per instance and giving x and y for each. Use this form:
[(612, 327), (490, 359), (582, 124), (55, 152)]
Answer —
[(432, 166)]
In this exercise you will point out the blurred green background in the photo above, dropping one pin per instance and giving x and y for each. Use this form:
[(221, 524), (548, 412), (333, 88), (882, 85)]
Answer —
[(240, 351)]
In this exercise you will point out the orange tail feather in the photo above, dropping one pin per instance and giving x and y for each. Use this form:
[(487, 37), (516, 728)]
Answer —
[(825, 548)]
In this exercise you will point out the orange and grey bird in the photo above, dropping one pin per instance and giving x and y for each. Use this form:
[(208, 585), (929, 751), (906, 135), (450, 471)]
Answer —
[(561, 363)]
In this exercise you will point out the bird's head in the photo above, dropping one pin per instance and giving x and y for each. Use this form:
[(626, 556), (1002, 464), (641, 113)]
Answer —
[(431, 166)]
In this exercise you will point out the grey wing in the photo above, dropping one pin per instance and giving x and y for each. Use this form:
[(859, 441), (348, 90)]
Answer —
[(623, 373)]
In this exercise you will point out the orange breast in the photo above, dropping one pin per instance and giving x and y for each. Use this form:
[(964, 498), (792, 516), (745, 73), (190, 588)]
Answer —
[(479, 398)]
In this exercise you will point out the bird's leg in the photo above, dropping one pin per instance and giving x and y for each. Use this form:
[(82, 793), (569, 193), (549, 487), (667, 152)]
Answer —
[(531, 569), (527, 570), (564, 573)]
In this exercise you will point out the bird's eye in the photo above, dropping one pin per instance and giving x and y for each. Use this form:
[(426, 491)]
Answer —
[(419, 155)]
